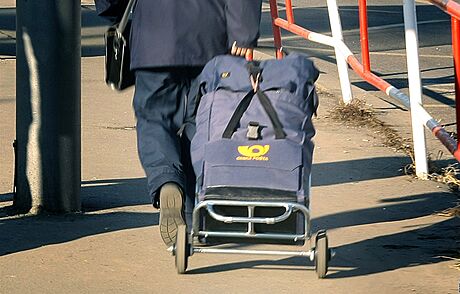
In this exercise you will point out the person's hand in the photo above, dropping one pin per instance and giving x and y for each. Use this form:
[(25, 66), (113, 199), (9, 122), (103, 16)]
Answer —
[(243, 52)]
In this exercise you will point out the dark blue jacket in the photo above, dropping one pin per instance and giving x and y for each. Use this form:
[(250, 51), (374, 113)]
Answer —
[(186, 32)]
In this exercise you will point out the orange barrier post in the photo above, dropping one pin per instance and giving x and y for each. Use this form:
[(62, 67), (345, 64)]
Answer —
[(456, 53), (276, 29), (364, 35), (289, 12)]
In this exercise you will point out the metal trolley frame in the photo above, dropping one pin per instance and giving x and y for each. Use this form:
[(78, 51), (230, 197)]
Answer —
[(188, 244)]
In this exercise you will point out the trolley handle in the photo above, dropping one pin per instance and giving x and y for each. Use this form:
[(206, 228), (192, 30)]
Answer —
[(250, 219)]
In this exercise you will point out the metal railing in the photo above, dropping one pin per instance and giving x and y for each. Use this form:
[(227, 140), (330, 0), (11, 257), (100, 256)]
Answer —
[(420, 117)]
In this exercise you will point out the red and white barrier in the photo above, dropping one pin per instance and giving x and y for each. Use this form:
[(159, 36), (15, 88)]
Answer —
[(420, 117)]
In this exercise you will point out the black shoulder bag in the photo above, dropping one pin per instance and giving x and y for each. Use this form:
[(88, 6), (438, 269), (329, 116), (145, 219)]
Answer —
[(117, 54)]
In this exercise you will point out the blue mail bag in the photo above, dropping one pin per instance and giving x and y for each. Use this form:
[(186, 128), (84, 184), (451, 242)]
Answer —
[(254, 130)]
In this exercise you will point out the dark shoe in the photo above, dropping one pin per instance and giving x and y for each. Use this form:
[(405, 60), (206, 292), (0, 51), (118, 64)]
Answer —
[(171, 212)]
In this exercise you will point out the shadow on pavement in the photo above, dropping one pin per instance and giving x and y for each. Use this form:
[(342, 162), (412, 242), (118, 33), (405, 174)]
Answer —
[(389, 210), (6, 197), (113, 193), (291, 263), (332, 173), (29, 232), (426, 244), (423, 245), (20, 234)]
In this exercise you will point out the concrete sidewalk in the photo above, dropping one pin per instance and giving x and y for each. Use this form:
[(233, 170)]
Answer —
[(382, 224)]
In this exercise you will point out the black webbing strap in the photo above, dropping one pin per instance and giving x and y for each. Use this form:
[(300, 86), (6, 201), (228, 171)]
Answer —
[(237, 114), (243, 106), (255, 74), (267, 105)]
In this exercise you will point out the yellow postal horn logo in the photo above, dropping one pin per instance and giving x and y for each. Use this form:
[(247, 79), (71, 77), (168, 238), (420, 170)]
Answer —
[(254, 152)]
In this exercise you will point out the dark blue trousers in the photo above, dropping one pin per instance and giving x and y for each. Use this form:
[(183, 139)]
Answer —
[(164, 104)]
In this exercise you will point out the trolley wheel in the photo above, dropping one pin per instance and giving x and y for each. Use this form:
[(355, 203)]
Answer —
[(182, 249), (321, 254)]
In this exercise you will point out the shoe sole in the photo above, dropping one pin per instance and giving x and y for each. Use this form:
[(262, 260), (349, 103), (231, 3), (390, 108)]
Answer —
[(170, 213)]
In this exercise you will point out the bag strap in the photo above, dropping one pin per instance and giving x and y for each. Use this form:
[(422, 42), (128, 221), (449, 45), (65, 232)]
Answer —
[(267, 105), (243, 106), (237, 114), (255, 76), (124, 20)]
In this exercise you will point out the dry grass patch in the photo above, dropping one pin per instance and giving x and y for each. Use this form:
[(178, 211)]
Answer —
[(359, 114)]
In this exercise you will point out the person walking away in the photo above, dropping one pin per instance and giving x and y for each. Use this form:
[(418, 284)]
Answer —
[(170, 42)]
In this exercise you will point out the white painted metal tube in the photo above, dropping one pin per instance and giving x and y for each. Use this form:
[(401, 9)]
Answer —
[(255, 252), (415, 88), (342, 66), (338, 45)]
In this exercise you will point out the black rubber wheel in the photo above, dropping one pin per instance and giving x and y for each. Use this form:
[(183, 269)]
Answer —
[(182, 249), (321, 255)]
